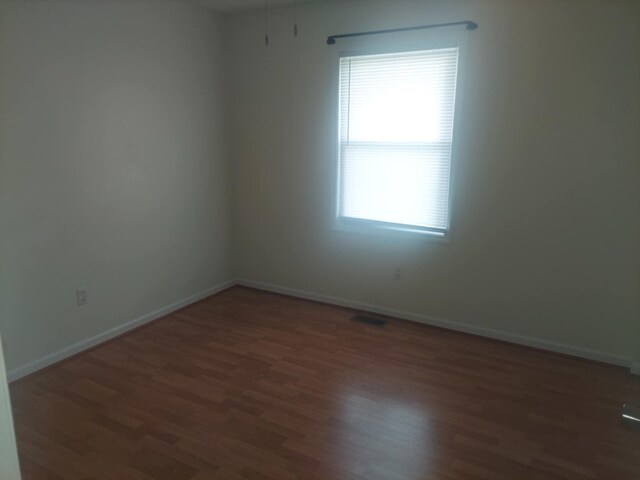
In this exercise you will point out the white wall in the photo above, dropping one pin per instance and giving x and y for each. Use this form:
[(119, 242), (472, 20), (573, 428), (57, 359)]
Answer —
[(546, 212), (9, 467), (113, 166)]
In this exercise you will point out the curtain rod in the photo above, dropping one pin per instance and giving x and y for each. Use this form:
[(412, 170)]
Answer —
[(468, 23)]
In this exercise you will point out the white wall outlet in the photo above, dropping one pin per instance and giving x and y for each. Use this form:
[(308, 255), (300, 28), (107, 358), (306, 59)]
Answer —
[(81, 296), (397, 274)]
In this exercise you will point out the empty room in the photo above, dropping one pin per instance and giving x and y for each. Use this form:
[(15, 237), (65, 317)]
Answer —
[(320, 240)]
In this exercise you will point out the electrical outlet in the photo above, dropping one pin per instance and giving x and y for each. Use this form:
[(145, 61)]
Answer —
[(81, 296), (397, 274)]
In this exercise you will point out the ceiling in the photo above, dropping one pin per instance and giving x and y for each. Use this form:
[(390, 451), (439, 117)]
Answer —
[(239, 5)]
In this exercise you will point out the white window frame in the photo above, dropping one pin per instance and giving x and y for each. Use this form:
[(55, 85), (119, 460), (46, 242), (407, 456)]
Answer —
[(370, 227)]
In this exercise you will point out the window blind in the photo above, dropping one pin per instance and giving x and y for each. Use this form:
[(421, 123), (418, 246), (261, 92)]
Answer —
[(395, 135)]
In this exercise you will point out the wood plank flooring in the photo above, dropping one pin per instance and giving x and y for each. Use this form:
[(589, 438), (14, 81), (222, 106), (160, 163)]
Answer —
[(251, 385)]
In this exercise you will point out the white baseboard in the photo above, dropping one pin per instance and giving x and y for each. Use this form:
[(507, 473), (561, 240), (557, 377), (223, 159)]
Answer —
[(458, 326), (76, 348)]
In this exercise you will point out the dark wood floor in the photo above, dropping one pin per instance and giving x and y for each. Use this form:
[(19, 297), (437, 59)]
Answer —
[(251, 385)]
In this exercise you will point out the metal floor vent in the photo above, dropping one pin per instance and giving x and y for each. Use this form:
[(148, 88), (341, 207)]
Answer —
[(378, 322)]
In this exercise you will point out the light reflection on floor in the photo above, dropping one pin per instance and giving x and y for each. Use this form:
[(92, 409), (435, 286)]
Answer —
[(383, 438)]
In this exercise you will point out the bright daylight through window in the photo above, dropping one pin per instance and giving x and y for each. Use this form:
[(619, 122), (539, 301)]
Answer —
[(395, 134)]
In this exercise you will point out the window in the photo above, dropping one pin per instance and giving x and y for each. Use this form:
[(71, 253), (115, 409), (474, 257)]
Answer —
[(395, 137)]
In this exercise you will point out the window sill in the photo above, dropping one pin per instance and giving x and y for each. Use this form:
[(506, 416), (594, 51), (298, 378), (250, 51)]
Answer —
[(365, 227)]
